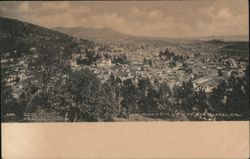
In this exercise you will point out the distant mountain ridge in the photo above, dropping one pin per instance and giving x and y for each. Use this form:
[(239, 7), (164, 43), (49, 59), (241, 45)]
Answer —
[(107, 35), (227, 38), (102, 34), (93, 33)]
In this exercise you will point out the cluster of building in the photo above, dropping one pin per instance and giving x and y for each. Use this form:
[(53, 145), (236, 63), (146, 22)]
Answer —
[(13, 72), (204, 69)]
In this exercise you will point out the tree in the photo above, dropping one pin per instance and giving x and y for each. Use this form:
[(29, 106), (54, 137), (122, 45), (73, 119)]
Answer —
[(144, 85), (201, 101), (147, 62), (45, 69), (121, 59), (82, 89), (89, 100), (129, 93), (177, 94), (217, 96), (166, 55), (188, 96), (238, 96), (164, 96), (106, 103), (91, 55), (152, 100), (116, 84), (245, 87)]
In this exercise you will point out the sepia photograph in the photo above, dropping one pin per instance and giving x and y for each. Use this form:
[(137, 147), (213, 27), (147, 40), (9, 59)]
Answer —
[(124, 61), (131, 79)]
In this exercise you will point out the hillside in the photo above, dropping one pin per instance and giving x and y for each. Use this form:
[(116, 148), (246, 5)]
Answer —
[(35, 64), (21, 36)]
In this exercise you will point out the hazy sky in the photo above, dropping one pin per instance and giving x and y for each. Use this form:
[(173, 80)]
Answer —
[(193, 18)]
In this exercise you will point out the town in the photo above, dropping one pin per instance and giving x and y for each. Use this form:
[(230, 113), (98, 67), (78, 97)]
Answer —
[(147, 81)]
